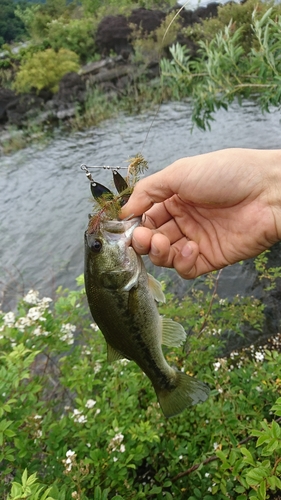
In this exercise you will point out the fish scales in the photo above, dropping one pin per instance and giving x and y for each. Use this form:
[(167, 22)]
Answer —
[(121, 297)]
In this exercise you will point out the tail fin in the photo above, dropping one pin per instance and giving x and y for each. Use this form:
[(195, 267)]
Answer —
[(188, 392)]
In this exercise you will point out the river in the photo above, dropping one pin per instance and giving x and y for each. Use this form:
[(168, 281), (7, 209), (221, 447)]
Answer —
[(45, 197)]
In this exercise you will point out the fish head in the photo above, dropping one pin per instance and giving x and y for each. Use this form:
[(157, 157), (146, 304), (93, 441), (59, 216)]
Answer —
[(108, 251)]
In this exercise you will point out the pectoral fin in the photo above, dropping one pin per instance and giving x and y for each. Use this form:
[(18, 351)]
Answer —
[(173, 334), (112, 354), (156, 288)]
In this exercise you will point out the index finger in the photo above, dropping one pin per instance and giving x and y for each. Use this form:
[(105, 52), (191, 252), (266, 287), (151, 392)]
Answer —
[(152, 189)]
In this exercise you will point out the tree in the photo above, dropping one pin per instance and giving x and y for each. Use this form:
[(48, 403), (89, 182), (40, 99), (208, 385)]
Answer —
[(225, 70), (11, 27)]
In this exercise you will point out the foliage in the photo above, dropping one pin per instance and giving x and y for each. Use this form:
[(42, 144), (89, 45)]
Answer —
[(44, 70), (237, 16), (90, 430), (76, 35), (11, 27), (223, 70), (151, 47)]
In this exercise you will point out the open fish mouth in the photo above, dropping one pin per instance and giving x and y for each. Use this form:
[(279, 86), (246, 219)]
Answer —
[(125, 228)]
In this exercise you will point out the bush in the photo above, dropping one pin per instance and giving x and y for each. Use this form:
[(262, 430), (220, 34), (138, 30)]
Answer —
[(224, 69), (76, 35), (76, 427), (44, 70)]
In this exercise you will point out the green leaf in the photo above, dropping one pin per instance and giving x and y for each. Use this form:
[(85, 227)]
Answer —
[(276, 429), (248, 456), (24, 478), (256, 475), (262, 490)]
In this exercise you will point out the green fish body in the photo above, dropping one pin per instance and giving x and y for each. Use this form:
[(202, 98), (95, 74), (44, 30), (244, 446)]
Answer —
[(121, 297)]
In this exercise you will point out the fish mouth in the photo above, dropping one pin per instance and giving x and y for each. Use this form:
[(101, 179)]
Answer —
[(116, 228)]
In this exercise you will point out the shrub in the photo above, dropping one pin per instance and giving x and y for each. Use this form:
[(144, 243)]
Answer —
[(44, 70), (76, 35), (76, 427)]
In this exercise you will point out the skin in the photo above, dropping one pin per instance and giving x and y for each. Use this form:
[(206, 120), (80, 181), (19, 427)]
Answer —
[(206, 212)]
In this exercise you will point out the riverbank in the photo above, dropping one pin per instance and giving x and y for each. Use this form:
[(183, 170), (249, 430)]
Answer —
[(127, 81)]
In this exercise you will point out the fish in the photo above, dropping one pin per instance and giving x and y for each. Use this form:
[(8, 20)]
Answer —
[(122, 298)]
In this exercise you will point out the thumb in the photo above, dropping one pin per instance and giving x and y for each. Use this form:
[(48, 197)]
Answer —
[(152, 189)]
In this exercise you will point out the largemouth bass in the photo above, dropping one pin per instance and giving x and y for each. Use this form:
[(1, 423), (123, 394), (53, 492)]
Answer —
[(121, 297)]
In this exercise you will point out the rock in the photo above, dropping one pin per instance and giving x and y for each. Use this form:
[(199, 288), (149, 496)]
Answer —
[(72, 88), (22, 108), (146, 20), (113, 34), (7, 97)]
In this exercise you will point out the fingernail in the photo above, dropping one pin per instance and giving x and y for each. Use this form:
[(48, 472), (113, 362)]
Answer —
[(154, 250), (187, 250)]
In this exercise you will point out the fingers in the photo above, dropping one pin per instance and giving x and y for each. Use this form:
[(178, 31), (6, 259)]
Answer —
[(183, 255), (152, 189)]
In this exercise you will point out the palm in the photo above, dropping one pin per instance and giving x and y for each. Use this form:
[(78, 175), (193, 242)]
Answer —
[(224, 210)]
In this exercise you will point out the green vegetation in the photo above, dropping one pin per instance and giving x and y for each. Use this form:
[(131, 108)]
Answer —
[(11, 27), (238, 56), (227, 68), (72, 426), (45, 69)]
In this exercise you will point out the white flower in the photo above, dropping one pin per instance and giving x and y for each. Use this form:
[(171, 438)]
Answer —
[(97, 412), (216, 366), (115, 459), (79, 417), (259, 356), (70, 453), (32, 297), (9, 319), (94, 326), (215, 445), (37, 332), (69, 461), (97, 367), (67, 329), (22, 322), (90, 403), (68, 338), (45, 302), (34, 313), (122, 448)]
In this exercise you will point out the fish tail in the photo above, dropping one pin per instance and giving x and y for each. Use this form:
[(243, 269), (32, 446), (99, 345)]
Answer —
[(188, 391)]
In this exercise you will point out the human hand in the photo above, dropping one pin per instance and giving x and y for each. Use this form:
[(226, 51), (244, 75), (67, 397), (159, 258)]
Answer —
[(205, 212)]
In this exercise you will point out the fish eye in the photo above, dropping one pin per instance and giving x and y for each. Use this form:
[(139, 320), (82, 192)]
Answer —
[(96, 246)]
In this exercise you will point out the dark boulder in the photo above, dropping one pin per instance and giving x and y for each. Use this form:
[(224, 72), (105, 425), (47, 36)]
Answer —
[(146, 20), (72, 88), (23, 108), (7, 97), (113, 34)]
